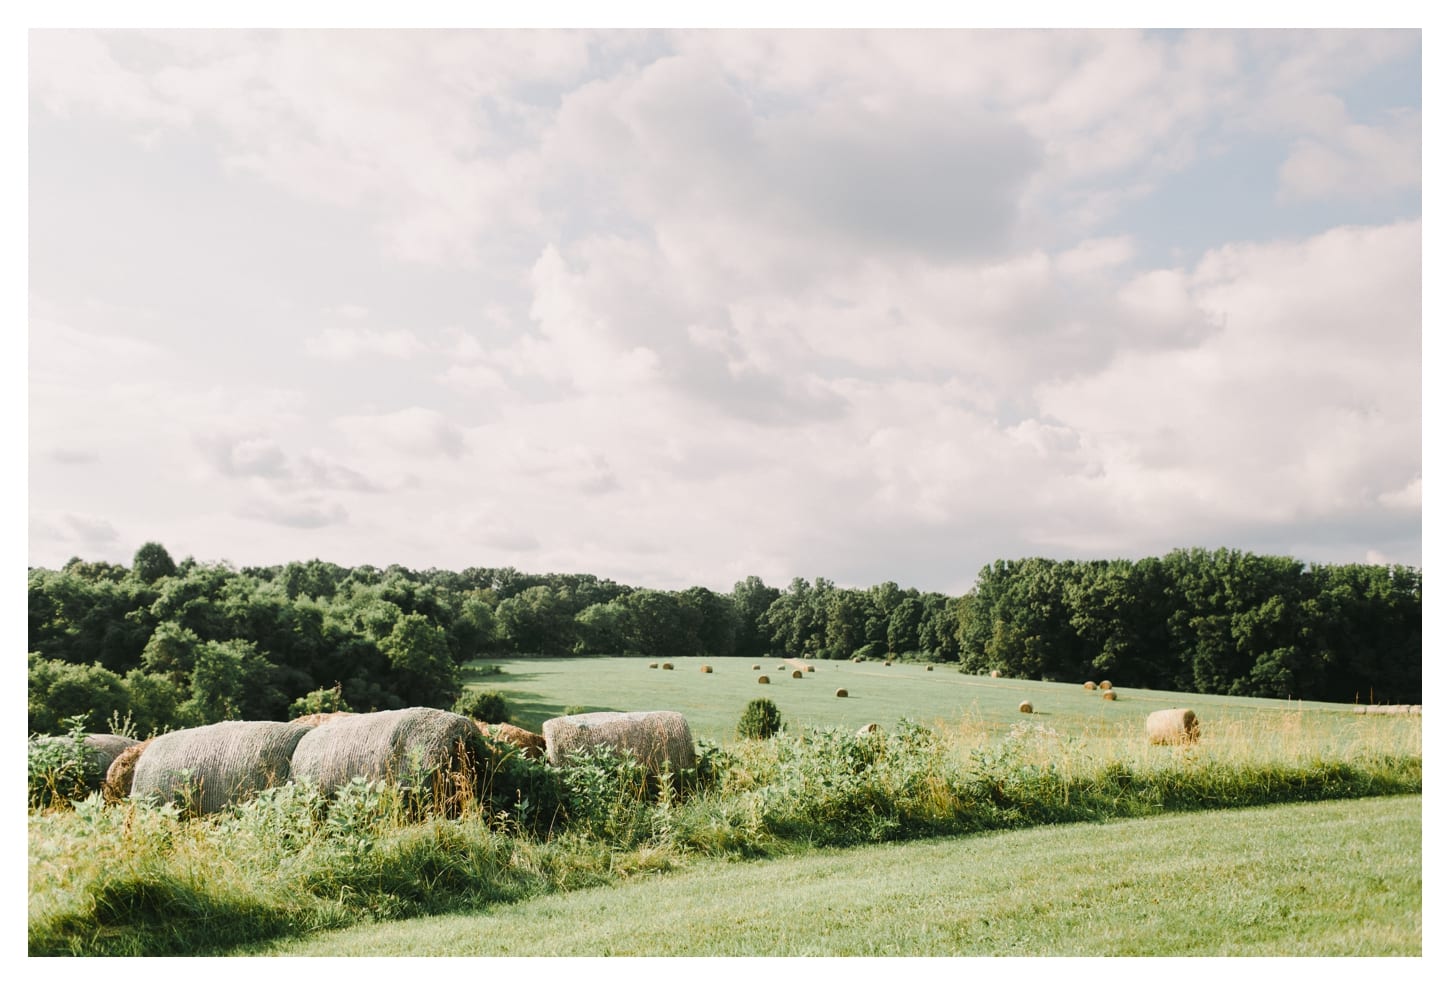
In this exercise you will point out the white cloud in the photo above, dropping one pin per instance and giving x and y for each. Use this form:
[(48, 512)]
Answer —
[(411, 432), (351, 343), (1354, 161)]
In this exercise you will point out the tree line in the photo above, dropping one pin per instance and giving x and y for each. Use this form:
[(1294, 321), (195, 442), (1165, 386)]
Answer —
[(173, 644)]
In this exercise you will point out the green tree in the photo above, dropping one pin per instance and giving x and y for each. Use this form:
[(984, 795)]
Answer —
[(417, 652), (152, 563)]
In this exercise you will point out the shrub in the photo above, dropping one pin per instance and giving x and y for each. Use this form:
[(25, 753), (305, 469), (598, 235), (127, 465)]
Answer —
[(760, 720), (61, 767), (482, 706), (322, 701)]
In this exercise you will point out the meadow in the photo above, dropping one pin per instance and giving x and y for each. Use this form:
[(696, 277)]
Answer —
[(953, 759)]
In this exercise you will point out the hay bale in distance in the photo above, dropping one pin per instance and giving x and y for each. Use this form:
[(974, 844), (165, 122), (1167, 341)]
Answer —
[(841, 692), (652, 737), (780, 666), (855, 660), (762, 679), (795, 675), (706, 669), (1025, 707), (117, 785), (654, 665), (930, 667), (212, 766), (407, 746), (531, 743), (810, 668), (667, 666), (995, 673), (1172, 726), (1090, 685), (886, 663), (755, 666), (1105, 685), (868, 728), (1110, 695)]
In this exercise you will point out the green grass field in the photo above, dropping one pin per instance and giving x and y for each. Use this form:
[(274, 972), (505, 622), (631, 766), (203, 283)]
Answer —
[(541, 688), (1326, 879)]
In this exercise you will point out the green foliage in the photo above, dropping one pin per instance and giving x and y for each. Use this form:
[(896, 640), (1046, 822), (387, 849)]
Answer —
[(760, 720), (60, 691), (417, 652), (61, 768), (483, 706), (152, 563), (320, 701)]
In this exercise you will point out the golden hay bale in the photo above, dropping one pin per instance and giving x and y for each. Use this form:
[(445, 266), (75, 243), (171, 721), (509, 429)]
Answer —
[(780, 666), (667, 666), (886, 663), (1025, 707), (1105, 685), (996, 673), (1090, 685), (755, 666), (531, 743), (840, 692), (868, 728), (1110, 695), (855, 660), (810, 669), (652, 737), (318, 717), (795, 674), (762, 679), (117, 785), (407, 746), (209, 767), (1172, 726), (930, 667), (654, 665), (706, 669)]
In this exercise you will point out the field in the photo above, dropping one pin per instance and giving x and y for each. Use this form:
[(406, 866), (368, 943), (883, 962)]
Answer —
[(1338, 878), (957, 789)]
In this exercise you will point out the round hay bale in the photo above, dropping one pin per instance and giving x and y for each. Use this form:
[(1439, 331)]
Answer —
[(117, 785), (810, 668), (1025, 707), (841, 692), (1172, 726), (930, 667), (855, 660), (706, 669), (210, 767), (1090, 685), (995, 673), (654, 665), (755, 666), (531, 743), (1105, 685), (795, 674), (652, 737), (886, 663), (1110, 695), (667, 666), (762, 679), (318, 717), (411, 747), (780, 666), (868, 728)]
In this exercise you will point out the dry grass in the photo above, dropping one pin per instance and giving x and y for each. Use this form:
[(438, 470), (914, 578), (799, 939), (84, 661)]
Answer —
[(117, 785)]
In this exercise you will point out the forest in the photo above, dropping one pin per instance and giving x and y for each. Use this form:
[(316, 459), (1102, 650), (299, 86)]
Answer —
[(172, 644)]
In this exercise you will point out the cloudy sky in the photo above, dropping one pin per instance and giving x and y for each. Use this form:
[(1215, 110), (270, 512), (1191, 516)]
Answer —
[(676, 308)]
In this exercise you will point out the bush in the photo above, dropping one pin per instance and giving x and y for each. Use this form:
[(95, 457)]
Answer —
[(319, 702), (761, 720), (482, 706)]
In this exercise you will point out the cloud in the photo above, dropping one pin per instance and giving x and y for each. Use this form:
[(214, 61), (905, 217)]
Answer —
[(306, 513), (1354, 161), (351, 343), (414, 431)]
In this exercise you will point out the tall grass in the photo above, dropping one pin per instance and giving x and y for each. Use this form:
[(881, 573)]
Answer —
[(136, 879)]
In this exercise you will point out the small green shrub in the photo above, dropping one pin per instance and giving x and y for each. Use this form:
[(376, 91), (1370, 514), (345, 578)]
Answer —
[(321, 701), (760, 720), (575, 710), (482, 706)]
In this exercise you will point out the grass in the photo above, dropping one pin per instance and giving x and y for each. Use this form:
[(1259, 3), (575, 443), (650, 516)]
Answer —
[(1326, 879), (539, 688)]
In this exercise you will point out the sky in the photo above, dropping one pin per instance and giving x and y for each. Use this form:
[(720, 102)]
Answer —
[(678, 307)]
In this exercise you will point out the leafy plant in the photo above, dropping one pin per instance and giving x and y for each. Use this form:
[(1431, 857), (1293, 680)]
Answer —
[(61, 768), (482, 706)]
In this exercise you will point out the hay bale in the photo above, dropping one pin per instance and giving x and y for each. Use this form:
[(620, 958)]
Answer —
[(930, 667), (780, 666), (667, 666), (210, 767), (654, 665), (755, 666), (531, 743), (1105, 685), (1025, 707), (318, 717), (1090, 685), (995, 673), (1172, 726), (841, 692), (117, 785), (1110, 695), (762, 679), (810, 668), (868, 728), (409, 746), (855, 660), (652, 737), (886, 663), (795, 674), (706, 669)]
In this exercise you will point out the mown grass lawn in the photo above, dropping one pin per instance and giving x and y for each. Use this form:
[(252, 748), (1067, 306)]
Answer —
[(540, 688), (1322, 879)]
